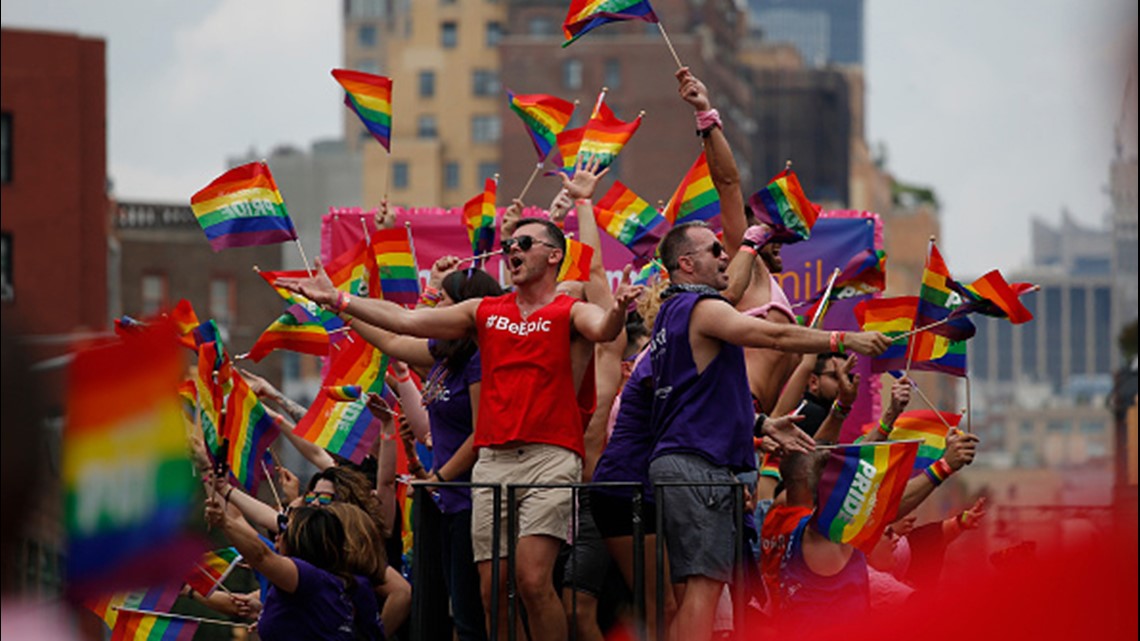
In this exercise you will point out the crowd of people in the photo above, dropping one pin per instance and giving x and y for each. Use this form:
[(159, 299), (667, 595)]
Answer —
[(685, 385)]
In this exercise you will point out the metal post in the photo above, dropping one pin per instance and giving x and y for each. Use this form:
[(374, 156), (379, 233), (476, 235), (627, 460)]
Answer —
[(639, 562), (659, 495), (496, 541), (512, 533), (740, 590)]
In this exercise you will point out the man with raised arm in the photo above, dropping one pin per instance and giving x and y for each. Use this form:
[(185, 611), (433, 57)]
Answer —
[(702, 412), (529, 429)]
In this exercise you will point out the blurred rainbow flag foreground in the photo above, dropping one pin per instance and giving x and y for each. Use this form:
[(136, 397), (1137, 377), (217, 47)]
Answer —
[(128, 482), (860, 490)]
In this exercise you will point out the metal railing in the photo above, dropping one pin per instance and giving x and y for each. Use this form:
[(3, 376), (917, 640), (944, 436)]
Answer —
[(421, 491)]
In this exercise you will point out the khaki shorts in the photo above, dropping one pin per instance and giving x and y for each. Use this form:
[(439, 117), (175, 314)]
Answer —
[(543, 512)]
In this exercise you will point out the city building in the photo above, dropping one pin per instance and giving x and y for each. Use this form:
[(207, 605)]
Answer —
[(823, 31)]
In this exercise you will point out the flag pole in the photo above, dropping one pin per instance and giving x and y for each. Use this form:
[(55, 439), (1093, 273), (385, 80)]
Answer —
[(824, 302), (218, 583), (412, 247), (930, 404), (304, 258), (922, 329), (480, 256), (184, 617), (969, 413), (676, 58), (269, 477), (533, 175), (837, 446)]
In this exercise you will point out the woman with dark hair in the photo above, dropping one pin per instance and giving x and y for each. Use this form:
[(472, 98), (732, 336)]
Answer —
[(452, 375), (312, 593)]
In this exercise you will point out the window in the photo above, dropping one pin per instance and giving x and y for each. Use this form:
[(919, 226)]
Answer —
[(487, 170), (426, 127), (494, 33), (1057, 426), (613, 73), (366, 36), (448, 35), (485, 82), (572, 74), (153, 294), (451, 175), (540, 26), (222, 300), (400, 175), (6, 148), (485, 128), (427, 84), (7, 285), (368, 65), (1103, 340), (1078, 330)]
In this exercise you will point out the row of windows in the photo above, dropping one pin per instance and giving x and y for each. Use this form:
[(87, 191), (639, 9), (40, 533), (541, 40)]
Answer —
[(401, 174), (484, 129), (484, 83), (449, 34), (222, 297), (572, 73)]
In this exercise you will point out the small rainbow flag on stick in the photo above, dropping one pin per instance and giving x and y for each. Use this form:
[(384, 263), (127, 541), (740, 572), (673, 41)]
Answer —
[(860, 490), (343, 393), (569, 141), (243, 207), (605, 135), (585, 15), (143, 626), (370, 97), (925, 426), (248, 430), (895, 317), (576, 263), (783, 205), (211, 570), (127, 481), (297, 330), (629, 219), (399, 281), (479, 218), (159, 599), (991, 295), (696, 197), (938, 297), (544, 116)]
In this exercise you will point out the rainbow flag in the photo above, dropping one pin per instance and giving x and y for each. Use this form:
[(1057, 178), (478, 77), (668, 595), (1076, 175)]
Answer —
[(695, 198), (860, 490), (185, 320), (894, 317), (343, 393), (140, 626), (924, 425), (247, 433), (576, 263), (399, 279), (354, 269), (629, 219), (865, 273), (211, 570), (544, 116), (346, 428), (585, 15), (605, 135), (938, 296), (127, 481), (770, 466), (934, 353), (783, 205), (159, 599), (369, 97), (647, 273), (297, 330), (479, 218), (209, 396), (991, 295), (243, 207), (568, 143)]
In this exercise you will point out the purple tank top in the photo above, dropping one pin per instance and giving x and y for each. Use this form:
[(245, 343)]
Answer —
[(626, 457), (448, 402), (707, 414), (807, 596)]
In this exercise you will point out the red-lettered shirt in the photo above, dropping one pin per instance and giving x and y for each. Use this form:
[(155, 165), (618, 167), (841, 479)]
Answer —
[(527, 394)]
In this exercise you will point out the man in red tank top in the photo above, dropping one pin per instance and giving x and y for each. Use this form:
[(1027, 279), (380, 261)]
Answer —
[(528, 428)]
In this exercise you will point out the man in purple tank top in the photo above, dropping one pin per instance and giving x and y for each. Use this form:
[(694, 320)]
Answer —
[(702, 412)]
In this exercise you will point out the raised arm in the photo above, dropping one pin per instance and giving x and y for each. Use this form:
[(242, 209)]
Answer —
[(601, 325), (385, 464), (793, 391), (581, 189), (900, 398), (716, 319), (848, 391), (312, 452), (453, 321), (411, 401), (722, 165), (960, 451), (280, 570)]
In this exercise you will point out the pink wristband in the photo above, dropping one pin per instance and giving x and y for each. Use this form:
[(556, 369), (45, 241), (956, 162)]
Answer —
[(708, 119)]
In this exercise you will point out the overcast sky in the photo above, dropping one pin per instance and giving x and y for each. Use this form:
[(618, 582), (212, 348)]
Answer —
[(1006, 108)]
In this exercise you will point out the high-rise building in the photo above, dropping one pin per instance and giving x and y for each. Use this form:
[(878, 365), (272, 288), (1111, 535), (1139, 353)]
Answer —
[(824, 31)]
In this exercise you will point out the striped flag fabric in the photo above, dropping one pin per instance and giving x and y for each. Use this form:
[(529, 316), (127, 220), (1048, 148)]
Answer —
[(120, 606), (248, 431), (938, 296), (585, 15), (479, 218), (343, 393), (925, 426), (369, 97), (650, 272), (142, 626), (605, 135), (783, 205), (631, 220), (297, 330), (212, 570), (346, 428), (354, 269), (243, 207), (894, 317), (569, 141), (576, 263), (991, 295), (865, 273), (126, 478), (860, 489), (545, 117), (396, 272), (695, 198)]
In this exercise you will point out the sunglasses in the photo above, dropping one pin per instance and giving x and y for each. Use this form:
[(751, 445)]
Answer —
[(320, 498), (716, 249), (525, 243)]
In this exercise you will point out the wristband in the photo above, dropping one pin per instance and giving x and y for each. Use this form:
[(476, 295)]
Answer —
[(833, 341), (341, 302), (885, 429), (938, 472), (839, 341), (706, 121), (440, 476), (962, 521), (431, 296), (840, 409), (230, 491), (583, 201), (389, 437), (746, 246)]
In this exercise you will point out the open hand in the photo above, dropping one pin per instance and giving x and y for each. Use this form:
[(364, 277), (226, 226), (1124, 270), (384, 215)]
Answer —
[(626, 293), (787, 434), (317, 288)]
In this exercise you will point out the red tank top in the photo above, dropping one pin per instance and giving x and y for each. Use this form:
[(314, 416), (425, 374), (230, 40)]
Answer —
[(527, 394)]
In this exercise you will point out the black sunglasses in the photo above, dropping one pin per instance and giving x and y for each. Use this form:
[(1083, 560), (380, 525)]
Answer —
[(717, 249), (525, 243)]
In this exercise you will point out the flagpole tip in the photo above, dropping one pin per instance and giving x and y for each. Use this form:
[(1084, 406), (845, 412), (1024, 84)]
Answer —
[(641, 113), (605, 89), (788, 164), (932, 238)]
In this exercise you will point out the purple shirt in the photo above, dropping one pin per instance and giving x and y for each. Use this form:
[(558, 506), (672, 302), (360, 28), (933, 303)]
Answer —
[(707, 414), (320, 608), (626, 457), (807, 596), (448, 399)]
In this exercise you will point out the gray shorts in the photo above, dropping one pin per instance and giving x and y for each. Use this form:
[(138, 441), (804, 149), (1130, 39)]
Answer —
[(589, 559), (699, 532)]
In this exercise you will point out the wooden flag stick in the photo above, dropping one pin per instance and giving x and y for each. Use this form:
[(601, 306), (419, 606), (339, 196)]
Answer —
[(871, 444), (922, 329), (969, 413), (533, 175), (217, 584), (304, 258), (184, 617), (269, 477), (676, 58), (480, 256), (926, 399), (823, 303)]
